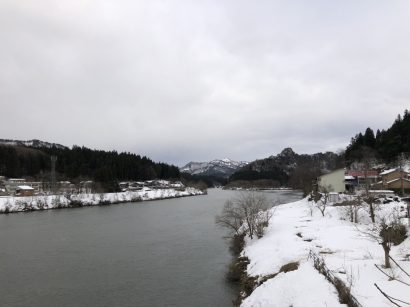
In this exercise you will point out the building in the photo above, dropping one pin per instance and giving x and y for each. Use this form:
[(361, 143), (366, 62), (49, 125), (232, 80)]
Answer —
[(393, 179), (332, 182), (66, 187), (24, 190), (12, 184), (365, 177), (86, 187)]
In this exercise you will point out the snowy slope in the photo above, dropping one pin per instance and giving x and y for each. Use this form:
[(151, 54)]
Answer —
[(347, 251), (221, 168), (31, 143)]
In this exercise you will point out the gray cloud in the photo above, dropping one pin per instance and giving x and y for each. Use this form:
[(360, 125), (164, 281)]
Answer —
[(197, 80)]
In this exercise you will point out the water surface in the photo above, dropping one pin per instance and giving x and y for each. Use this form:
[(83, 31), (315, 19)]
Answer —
[(157, 253)]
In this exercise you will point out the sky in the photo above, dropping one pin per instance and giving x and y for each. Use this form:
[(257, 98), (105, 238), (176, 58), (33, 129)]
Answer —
[(182, 81)]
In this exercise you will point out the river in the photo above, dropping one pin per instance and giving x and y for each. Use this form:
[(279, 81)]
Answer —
[(156, 253)]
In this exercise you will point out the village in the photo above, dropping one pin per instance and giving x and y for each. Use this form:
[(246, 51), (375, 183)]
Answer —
[(23, 187), (374, 182)]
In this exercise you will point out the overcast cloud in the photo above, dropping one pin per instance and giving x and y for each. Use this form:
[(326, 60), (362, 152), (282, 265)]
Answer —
[(197, 80)]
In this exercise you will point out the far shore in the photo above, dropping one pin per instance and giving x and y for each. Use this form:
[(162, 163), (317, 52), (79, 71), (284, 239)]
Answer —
[(13, 204)]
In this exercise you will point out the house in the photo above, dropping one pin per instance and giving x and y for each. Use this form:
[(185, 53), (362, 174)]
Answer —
[(86, 187), (332, 182), (351, 183), (12, 183), (66, 187), (364, 177), (24, 190), (393, 179)]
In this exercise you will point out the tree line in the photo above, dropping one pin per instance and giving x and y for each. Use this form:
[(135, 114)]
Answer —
[(384, 145), (81, 162)]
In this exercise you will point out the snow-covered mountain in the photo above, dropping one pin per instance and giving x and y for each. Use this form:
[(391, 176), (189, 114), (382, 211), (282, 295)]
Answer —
[(31, 143), (220, 168)]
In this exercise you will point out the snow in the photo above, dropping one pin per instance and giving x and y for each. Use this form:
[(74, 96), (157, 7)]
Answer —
[(381, 191), (397, 179), (312, 291), (220, 166), (348, 251), (19, 204), (25, 187), (388, 171)]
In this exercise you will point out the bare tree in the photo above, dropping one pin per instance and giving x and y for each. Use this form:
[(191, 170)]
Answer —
[(351, 208), (370, 200), (247, 214), (321, 199), (230, 218), (387, 234)]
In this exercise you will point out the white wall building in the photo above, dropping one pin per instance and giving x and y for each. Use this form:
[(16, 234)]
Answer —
[(332, 182)]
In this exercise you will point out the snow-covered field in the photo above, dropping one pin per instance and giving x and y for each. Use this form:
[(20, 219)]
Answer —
[(19, 204), (348, 251)]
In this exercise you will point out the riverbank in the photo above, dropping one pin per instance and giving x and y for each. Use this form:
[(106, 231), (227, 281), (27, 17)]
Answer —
[(12, 204), (297, 233)]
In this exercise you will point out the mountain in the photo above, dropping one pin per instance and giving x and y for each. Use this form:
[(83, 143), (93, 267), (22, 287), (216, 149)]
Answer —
[(218, 168), (31, 143), (289, 168), (287, 161)]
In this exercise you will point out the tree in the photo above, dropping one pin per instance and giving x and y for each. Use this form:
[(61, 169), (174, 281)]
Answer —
[(246, 214), (321, 198), (388, 233), (369, 138), (351, 208), (392, 233), (303, 177)]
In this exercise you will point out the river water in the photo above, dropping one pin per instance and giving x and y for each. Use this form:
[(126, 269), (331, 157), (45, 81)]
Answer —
[(157, 253)]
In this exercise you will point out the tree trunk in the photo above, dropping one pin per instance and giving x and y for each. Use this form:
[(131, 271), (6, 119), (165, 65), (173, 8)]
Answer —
[(386, 249), (351, 214), (371, 212)]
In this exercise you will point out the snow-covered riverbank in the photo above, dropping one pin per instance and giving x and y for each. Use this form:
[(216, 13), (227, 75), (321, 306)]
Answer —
[(298, 228), (32, 203)]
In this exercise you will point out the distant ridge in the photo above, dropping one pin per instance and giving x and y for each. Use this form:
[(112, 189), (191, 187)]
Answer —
[(218, 168), (31, 143)]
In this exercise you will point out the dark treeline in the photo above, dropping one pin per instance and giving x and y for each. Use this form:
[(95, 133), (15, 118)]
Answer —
[(276, 174), (385, 145), (83, 163), (202, 181)]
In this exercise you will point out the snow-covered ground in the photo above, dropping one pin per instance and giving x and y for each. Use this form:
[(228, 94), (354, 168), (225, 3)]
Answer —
[(18, 204), (348, 251)]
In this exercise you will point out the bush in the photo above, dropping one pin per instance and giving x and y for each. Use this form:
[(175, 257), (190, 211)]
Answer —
[(394, 233), (237, 243)]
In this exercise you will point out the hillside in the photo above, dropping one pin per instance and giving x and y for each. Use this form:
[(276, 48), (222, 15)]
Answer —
[(384, 146), (32, 159), (289, 168), (31, 143)]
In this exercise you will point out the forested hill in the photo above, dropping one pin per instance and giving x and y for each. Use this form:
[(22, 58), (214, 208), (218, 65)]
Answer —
[(385, 145), (289, 168), (19, 160)]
